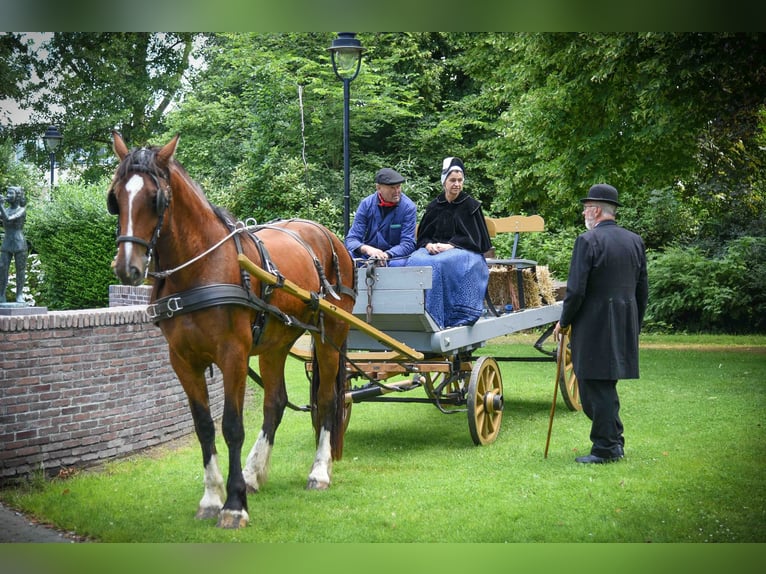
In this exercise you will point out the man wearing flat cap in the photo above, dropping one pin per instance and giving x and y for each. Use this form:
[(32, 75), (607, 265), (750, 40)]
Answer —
[(606, 297), (384, 224)]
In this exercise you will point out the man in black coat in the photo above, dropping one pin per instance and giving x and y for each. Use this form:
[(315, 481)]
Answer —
[(606, 297)]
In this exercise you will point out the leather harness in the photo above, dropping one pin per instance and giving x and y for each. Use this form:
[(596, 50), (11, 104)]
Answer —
[(212, 295)]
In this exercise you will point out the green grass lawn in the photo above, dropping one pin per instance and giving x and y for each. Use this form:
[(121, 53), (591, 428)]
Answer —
[(693, 471)]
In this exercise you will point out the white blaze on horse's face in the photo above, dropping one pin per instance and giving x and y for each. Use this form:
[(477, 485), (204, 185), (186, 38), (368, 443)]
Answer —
[(133, 187)]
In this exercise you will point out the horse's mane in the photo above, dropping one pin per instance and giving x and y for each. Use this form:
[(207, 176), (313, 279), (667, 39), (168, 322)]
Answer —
[(144, 159)]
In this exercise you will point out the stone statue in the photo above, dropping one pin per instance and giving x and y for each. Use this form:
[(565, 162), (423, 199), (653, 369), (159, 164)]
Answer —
[(14, 244)]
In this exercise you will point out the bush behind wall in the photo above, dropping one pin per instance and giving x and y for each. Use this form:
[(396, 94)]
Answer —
[(74, 235)]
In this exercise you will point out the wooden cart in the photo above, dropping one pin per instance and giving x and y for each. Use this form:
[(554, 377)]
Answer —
[(395, 347)]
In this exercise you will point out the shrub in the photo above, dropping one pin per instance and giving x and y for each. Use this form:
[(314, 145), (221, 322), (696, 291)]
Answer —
[(551, 248), (74, 237), (691, 291)]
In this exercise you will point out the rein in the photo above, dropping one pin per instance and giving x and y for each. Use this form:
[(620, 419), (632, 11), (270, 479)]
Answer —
[(219, 294), (239, 227)]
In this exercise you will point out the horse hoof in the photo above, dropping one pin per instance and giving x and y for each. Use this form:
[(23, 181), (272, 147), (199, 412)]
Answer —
[(207, 512), (233, 519), (314, 484)]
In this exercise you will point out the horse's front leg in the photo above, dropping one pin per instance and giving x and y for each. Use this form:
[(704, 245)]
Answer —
[(272, 370), (212, 499), (234, 512), (193, 383), (321, 470)]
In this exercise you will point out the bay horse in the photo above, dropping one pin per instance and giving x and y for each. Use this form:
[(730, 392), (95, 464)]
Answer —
[(211, 311)]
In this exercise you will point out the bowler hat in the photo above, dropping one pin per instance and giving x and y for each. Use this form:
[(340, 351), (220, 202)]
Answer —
[(602, 192), (388, 176)]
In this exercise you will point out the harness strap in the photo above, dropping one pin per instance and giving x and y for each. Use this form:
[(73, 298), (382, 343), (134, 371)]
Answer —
[(317, 264), (339, 286), (200, 298), (213, 295)]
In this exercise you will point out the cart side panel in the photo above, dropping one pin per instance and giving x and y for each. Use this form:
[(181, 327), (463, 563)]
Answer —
[(395, 302), (489, 327)]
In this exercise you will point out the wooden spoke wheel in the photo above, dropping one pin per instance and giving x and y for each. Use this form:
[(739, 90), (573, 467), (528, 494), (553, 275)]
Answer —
[(485, 401), (432, 380), (570, 392)]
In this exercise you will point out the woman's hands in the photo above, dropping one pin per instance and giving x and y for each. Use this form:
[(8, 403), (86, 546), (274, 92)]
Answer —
[(434, 248)]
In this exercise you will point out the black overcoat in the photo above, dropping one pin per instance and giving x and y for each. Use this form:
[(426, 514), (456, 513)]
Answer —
[(606, 297)]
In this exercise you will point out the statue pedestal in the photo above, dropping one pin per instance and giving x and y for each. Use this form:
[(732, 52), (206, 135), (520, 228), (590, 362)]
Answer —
[(21, 309)]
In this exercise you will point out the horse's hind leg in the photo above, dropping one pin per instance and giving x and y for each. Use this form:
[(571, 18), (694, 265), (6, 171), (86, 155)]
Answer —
[(327, 405), (272, 368)]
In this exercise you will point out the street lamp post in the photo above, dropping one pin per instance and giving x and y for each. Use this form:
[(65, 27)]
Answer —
[(346, 55), (52, 139)]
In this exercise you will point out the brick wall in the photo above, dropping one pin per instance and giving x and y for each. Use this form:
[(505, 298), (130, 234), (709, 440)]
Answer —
[(81, 387), (125, 295)]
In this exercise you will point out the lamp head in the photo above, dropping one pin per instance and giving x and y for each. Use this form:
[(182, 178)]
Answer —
[(52, 138), (346, 55)]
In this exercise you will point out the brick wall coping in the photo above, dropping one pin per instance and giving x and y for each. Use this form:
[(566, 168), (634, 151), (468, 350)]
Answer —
[(105, 316)]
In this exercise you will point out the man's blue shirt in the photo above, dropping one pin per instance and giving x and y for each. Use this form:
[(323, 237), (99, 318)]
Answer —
[(388, 229)]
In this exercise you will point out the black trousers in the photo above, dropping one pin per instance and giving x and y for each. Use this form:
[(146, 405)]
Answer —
[(601, 405)]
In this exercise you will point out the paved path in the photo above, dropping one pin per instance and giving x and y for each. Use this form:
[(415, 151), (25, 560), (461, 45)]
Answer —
[(15, 527)]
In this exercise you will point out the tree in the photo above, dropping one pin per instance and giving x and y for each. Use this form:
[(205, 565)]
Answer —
[(642, 111), (91, 83), (263, 133), (15, 65)]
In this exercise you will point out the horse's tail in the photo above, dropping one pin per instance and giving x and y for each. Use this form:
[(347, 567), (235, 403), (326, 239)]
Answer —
[(339, 420)]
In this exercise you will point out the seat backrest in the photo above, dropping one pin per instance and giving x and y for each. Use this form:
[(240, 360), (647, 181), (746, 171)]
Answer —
[(514, 224)]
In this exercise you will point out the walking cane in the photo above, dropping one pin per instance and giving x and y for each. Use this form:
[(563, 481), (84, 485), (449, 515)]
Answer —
[(559, 359)]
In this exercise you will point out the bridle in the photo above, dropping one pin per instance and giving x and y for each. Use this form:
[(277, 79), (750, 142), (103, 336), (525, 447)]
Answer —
[(141, 161)]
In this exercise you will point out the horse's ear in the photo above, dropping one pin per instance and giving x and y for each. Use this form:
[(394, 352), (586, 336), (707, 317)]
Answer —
[(119, 145), (167, 151)]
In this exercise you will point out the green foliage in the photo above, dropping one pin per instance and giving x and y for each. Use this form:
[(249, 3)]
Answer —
[(89, 83), (74, 237), (15, 65), (15, 173), (550, 248), (692, 291), (661, 217), (640, 111)]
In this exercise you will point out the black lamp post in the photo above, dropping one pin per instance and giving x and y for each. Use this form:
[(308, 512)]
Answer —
[(52, 139), (346, 54)]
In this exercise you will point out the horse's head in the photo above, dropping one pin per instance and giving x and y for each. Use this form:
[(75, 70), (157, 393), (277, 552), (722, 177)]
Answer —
[(139, 196)]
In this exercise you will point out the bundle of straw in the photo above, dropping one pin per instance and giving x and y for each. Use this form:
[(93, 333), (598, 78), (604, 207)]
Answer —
[(532, 297), (502, 286), (545, 283)]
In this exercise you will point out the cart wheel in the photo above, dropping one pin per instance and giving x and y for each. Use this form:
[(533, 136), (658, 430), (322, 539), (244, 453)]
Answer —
[(346, 415), (485, 401), (570, 392), (432, 380)]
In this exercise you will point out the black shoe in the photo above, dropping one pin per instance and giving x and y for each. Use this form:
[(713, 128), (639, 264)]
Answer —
[(593, 459)]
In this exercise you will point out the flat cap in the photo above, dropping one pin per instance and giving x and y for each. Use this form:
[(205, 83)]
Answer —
[(388, 176)]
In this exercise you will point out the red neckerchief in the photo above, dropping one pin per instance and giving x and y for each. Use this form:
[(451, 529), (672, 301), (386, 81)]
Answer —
[(383, 203)]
